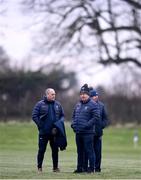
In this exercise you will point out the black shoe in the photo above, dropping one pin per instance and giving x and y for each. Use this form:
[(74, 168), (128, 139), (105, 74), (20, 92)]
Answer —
[(39, 170), (97, 170), (90, 170), (78, 171), (56, 170), (85, 170)]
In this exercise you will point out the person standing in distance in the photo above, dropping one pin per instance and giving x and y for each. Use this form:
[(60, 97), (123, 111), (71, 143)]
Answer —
[(85, 115), (99, 126), (45, 114)]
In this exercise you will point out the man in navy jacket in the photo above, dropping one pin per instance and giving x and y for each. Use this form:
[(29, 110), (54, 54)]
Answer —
[(99, 126), (45, 114), (85, 115)]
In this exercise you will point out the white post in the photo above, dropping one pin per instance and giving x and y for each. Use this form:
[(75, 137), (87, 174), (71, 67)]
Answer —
[(135, 139)]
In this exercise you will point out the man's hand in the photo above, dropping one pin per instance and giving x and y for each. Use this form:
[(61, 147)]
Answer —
[(54, 131)]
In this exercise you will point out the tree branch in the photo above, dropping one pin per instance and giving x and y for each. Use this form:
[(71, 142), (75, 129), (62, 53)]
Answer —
[(120, 60), (133, 3)]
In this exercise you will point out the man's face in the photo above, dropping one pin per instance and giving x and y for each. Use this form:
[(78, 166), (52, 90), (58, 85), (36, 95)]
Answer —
[(84, 97), (51, 95), (95, 98)]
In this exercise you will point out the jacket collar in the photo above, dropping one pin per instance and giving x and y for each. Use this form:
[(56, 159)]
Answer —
[(46, 100), (84, 102)]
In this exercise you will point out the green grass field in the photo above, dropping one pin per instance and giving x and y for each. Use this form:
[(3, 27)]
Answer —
[(18, 149)]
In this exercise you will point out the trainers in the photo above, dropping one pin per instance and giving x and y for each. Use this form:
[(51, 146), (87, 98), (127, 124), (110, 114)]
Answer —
[(39, 170), (56, 170)]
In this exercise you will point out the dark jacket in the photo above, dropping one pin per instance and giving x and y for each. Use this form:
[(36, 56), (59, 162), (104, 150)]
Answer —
[(103, 120), (85, 116), (45, 114), (61, 139)]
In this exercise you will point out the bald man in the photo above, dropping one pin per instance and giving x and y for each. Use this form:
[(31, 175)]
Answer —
[(45, 114)]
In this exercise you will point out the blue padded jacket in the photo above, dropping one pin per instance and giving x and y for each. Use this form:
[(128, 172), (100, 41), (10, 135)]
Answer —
[(85, 115), (103, 120), (45, 114)]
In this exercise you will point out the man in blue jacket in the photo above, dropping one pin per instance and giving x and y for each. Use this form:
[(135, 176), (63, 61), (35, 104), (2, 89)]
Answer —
[(99, 126), (45, 114), (85, 115)]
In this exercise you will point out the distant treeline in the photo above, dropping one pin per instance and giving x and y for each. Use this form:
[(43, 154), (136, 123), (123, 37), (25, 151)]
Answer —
[(122, 109), (19, 91)]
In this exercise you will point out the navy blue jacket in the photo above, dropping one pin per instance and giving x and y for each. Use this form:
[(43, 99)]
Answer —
[(103, 120), (45, 114), (85, 116), (61, 139)]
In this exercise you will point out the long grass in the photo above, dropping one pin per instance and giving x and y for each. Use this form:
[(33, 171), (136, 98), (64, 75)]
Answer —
[(18, 149)]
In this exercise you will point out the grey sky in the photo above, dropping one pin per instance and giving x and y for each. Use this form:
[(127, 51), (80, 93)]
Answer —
[(16, 37)]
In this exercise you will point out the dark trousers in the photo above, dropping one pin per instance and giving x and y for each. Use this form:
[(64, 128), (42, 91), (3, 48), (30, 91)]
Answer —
[(97, 145), (98, 152), (84, 143), (43, 141)]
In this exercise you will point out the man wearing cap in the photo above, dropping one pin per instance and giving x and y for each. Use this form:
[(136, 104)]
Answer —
[(85, 115), (99, 126)]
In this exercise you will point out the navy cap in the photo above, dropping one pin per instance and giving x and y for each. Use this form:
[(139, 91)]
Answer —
[(93, 93)]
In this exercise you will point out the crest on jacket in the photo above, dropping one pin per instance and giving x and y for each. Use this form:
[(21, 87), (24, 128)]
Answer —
[(86, 107), (57, 107)]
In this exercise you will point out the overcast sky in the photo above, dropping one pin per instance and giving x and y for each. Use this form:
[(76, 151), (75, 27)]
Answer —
[(16, 38)]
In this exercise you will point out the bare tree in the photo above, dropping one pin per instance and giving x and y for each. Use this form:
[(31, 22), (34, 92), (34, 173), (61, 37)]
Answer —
[(109, 30)]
